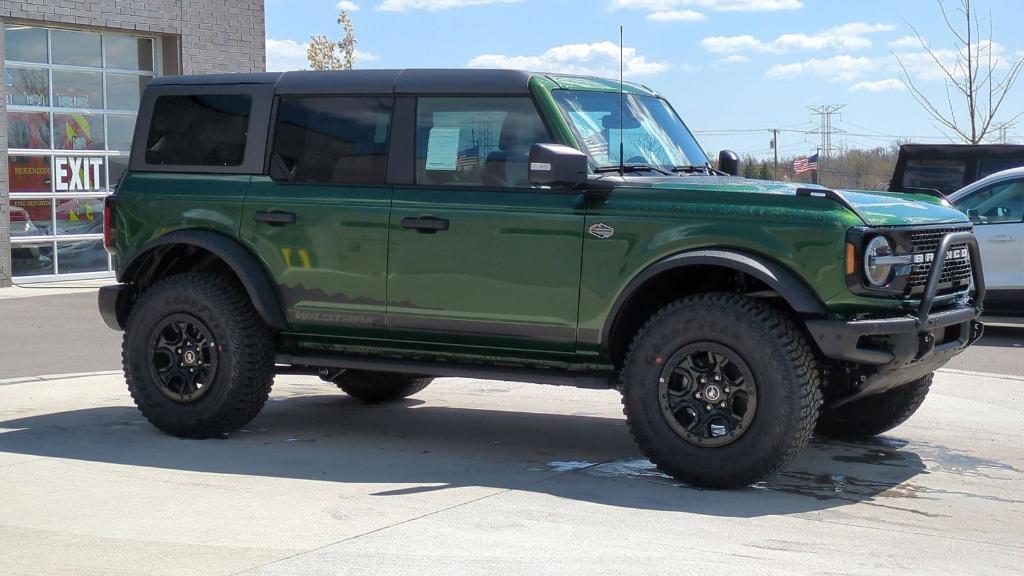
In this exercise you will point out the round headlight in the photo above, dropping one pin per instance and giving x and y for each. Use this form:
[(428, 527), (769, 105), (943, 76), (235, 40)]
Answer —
[(878, 275)]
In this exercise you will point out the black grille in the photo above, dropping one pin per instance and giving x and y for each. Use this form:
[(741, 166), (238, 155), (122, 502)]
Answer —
[(956, 274)]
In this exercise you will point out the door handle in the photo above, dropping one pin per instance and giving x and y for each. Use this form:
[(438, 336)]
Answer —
[(275, 217), (1001, 239), (426, 224)]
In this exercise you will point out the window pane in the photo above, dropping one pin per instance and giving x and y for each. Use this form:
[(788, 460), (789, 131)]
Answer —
[(124, 91), (1000, 204), (78, 131), (81, 256), (128, 53), (25, 44), (29, 174), (332, 140), (946, 176), (32, 259), (79, 173), (76, 48), (27, 86), (119, 132), (31, 217), (77, 89), (206, 130), (476, 141), (79, 216), (28, 130), (989, 166)]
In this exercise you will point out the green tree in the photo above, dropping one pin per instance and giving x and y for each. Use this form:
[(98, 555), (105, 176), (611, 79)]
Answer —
[(326, 54)]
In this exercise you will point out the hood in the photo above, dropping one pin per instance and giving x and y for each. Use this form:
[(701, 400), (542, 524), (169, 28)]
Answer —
[(873, 208)]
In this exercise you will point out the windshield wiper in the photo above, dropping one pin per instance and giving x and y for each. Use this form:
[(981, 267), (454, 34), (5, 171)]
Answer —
[(695, 169), (630, 168)]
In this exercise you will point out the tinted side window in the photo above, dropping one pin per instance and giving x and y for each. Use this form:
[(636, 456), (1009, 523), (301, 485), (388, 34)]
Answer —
[(199, 130), (999, 204), (331, 140), (946, 176), (476, 141)]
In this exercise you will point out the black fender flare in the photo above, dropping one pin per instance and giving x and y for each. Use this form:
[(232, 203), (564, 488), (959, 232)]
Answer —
[(243, 263), (801, 298)]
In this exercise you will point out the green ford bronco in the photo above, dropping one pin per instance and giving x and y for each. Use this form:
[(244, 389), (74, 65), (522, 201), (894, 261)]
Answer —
[(380, 228)]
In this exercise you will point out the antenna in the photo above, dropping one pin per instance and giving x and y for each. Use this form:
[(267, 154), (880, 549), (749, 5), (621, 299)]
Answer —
[(622, 109)]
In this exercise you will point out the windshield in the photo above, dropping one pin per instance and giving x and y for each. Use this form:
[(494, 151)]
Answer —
[(652, 133)]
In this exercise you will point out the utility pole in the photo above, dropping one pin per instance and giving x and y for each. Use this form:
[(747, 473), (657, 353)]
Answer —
[(775, 148), (825, 129)]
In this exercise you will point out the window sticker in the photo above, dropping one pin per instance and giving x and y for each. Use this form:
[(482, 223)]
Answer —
[(443, 148)]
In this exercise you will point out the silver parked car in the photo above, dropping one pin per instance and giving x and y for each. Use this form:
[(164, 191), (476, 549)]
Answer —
[(996, 206)]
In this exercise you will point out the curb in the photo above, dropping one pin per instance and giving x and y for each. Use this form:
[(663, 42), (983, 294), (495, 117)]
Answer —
[(980, 374), (52, 377)]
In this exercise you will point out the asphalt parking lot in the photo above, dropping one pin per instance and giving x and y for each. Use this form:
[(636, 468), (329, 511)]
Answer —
[(480, 477)]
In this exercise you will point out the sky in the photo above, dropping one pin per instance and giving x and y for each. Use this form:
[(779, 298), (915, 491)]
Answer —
[(733, 69)]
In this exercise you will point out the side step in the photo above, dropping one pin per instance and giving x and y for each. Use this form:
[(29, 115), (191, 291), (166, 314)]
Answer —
[(303, 364)]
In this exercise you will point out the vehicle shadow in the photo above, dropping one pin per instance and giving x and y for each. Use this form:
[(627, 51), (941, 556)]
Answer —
[(581, 457), (1002, 337)]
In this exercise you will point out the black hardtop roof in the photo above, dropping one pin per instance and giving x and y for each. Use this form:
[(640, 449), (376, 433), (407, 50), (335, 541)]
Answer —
[(410, 81), (959, 150)]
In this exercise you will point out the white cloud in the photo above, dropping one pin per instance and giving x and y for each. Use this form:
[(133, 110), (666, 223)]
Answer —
[(716, 5), (842, 68), (434, 5), (851, 36), (879, 86), (905, 42), (284, 55), (733, 59), (922, 66), (347, 5), (599, 58), (675, 16)]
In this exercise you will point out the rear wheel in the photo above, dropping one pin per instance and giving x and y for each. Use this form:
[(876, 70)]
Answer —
[(874, 415), (720, 390), (198, 359), (380, 386)]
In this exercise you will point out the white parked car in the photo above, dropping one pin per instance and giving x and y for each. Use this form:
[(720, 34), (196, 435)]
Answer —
[(996, 206)]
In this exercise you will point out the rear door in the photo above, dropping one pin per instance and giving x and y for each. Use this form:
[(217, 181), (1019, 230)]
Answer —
[(998, 215), (478, 257), (319, 220)]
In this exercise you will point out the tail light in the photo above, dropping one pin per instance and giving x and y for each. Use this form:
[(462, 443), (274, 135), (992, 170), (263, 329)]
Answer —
[(109, 231)]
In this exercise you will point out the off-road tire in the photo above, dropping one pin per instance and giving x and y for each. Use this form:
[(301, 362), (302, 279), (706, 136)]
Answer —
[(874, 415), (783, 365), (374, 387), (243, 343)]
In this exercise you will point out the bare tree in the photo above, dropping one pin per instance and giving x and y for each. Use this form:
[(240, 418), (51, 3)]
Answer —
[(326, 54), (970, 80)]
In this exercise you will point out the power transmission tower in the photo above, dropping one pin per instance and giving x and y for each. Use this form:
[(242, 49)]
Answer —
[(825, 129), (1004, 131)]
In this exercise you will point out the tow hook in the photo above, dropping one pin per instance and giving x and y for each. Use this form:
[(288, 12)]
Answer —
[(925, 344)]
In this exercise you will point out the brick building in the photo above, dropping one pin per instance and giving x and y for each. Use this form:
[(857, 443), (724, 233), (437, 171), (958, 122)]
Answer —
[(73, 71)]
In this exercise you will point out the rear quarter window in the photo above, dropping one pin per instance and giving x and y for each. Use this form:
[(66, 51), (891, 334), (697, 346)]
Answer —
[(199, 130)]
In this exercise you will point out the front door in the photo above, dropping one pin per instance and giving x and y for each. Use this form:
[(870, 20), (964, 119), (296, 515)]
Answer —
[(998, 215), (319, 221), (477, 257)]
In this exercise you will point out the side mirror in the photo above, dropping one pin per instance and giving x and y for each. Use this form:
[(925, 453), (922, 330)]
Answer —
[(729, 162), (557, 166)]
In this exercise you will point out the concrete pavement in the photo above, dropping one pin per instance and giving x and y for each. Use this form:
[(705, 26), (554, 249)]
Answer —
[(480, 477)]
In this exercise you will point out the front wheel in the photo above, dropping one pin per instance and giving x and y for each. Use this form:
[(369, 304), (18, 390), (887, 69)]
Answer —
[(720, 390), (376, 387), (874, 415)]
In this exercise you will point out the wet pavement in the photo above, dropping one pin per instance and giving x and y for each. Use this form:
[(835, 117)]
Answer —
[(480, 477)]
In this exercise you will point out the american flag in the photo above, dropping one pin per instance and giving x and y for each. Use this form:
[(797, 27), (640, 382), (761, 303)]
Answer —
[(805, 164), (469, 158)]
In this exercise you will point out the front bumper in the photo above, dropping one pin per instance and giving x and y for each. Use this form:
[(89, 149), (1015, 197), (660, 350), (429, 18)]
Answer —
[(903, 349)]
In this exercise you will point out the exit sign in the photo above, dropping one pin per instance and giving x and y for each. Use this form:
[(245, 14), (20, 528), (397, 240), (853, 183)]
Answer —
[(78, 174)]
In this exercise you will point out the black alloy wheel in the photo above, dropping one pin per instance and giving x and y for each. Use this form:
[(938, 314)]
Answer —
[(708, 394), (184, 358)]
